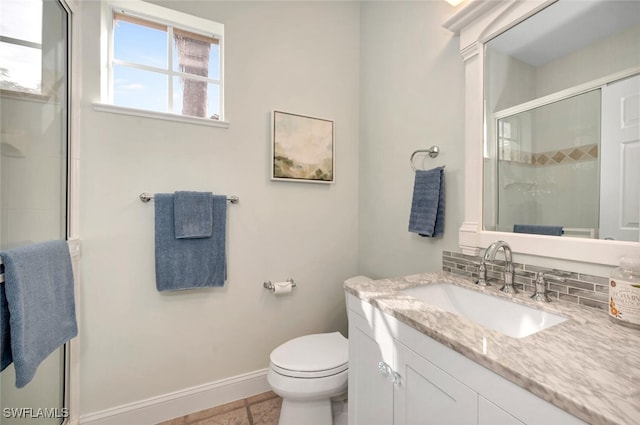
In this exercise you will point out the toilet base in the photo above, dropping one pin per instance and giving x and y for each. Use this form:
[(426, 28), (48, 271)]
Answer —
[(307, 412)]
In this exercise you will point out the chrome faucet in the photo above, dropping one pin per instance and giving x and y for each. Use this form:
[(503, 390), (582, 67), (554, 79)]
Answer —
[(490, 256)]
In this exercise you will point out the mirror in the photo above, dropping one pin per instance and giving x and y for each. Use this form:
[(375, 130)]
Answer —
[(562, 123)]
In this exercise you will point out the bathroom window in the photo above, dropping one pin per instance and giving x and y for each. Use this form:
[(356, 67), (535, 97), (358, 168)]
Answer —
[(21, 47), (164, 61), (30, 55)]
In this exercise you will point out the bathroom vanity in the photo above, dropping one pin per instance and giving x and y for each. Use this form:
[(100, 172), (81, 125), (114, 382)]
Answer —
[(411, 362)]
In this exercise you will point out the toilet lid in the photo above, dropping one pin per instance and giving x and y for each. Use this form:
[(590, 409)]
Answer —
[(312, 356)]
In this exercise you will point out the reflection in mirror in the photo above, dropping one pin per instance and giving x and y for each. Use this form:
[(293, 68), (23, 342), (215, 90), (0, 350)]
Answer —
[(562, 122), (547, 168)]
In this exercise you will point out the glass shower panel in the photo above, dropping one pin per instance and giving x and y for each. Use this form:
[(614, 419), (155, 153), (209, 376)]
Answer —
[(548, 166), (34, 87)]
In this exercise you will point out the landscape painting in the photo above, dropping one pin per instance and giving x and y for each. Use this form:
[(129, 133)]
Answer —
[(302, 148)]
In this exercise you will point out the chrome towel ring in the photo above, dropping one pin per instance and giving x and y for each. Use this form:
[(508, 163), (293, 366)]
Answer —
[(433, 152)]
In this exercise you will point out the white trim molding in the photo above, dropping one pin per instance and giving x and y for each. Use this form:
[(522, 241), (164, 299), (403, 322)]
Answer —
[(163, 116), (182, 402), (476, 23)]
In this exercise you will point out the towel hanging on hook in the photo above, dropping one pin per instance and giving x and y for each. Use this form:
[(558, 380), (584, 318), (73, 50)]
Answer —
[(433, 152)]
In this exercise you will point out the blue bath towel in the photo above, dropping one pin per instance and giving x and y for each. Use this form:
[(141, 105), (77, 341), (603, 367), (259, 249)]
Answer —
[(427, 206), (193, 214), (189, 263), (538, 229), (38, 282), (5, 336)]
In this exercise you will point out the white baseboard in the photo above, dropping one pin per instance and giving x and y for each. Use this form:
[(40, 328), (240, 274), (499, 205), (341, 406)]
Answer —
[(183, 402)]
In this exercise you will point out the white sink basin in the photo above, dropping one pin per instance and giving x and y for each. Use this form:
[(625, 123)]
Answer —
[(515, 320)]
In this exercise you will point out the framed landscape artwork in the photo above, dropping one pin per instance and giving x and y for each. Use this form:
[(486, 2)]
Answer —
[(302, 148)]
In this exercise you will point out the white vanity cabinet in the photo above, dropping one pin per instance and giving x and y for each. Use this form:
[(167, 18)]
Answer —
[(399, 376), (490, 414), (370, 347), (425, 394)]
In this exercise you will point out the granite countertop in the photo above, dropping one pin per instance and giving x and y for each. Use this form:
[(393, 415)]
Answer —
[(587, 366)]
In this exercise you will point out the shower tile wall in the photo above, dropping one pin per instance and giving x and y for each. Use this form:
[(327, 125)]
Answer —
[(33, 172)]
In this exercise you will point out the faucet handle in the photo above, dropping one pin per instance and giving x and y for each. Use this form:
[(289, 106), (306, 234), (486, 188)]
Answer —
[(540, 293), (482, 274), (509, 274)]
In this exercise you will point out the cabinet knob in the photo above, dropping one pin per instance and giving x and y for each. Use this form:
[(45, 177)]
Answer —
[(392, 375), (395, 378), (384, 369)]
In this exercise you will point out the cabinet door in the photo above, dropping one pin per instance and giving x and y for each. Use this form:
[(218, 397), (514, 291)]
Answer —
[(370, 392), (428, 395), (490, 414)]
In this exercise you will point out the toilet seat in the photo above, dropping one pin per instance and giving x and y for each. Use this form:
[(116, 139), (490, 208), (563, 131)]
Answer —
[(311, 356)]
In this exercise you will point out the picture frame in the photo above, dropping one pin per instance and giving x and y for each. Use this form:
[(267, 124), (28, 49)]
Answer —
[(302, 148)]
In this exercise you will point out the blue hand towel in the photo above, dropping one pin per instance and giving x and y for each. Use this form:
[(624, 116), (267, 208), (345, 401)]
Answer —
[(427, 206), (38, 282), (193, 214), (189, 263), (538, 229), (5, 336)]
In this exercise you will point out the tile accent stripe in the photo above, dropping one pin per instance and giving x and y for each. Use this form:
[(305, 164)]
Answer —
[(579, 288), (544, 159)]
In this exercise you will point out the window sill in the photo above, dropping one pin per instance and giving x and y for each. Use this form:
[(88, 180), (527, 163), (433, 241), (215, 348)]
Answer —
[(164, 116), (24, 95)]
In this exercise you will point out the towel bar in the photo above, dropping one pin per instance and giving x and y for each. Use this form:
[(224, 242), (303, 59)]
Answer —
[(146, 197), (433, 152)]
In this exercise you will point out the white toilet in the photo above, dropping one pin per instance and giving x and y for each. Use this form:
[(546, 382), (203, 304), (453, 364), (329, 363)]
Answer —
[(306, 372)]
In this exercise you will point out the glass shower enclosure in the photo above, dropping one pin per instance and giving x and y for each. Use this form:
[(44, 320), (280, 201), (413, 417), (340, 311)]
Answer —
[(34, 140)]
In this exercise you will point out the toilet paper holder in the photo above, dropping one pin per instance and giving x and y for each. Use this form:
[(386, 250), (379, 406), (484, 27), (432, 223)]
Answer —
[(271, 287)]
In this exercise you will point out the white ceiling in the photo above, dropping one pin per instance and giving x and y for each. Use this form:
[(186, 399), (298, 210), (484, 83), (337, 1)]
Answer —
[(566, 26)]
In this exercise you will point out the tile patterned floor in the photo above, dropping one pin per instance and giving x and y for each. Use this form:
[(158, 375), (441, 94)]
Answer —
[(261, 409)]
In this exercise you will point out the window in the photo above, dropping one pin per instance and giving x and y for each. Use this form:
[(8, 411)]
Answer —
[(165, 61), (32, 61), (21, 46)]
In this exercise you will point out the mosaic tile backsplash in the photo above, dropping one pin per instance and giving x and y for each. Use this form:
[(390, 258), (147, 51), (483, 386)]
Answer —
[(579, 288)]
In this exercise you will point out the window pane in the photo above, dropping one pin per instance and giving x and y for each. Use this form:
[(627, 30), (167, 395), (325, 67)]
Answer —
[(21, 19), (140, 44), (214, 62), (196, 98), (213, 101), (135, 88), (197, 55), (20, 68)]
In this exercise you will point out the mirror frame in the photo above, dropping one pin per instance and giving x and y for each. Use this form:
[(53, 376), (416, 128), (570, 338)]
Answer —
[(476, 22)]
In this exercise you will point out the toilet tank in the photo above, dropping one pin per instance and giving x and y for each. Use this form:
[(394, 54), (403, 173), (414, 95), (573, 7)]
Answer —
[(357, 279)]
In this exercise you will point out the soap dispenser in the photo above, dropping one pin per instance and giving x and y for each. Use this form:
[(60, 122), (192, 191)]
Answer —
[(624, 292)]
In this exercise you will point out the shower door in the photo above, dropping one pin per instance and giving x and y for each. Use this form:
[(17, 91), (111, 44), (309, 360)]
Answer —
[(34, 140)]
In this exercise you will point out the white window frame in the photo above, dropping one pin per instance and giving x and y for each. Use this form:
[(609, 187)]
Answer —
[(165, 16)]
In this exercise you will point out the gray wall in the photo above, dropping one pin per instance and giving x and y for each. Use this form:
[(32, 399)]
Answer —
[(391, 78), (411, 97), (298, 57)]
